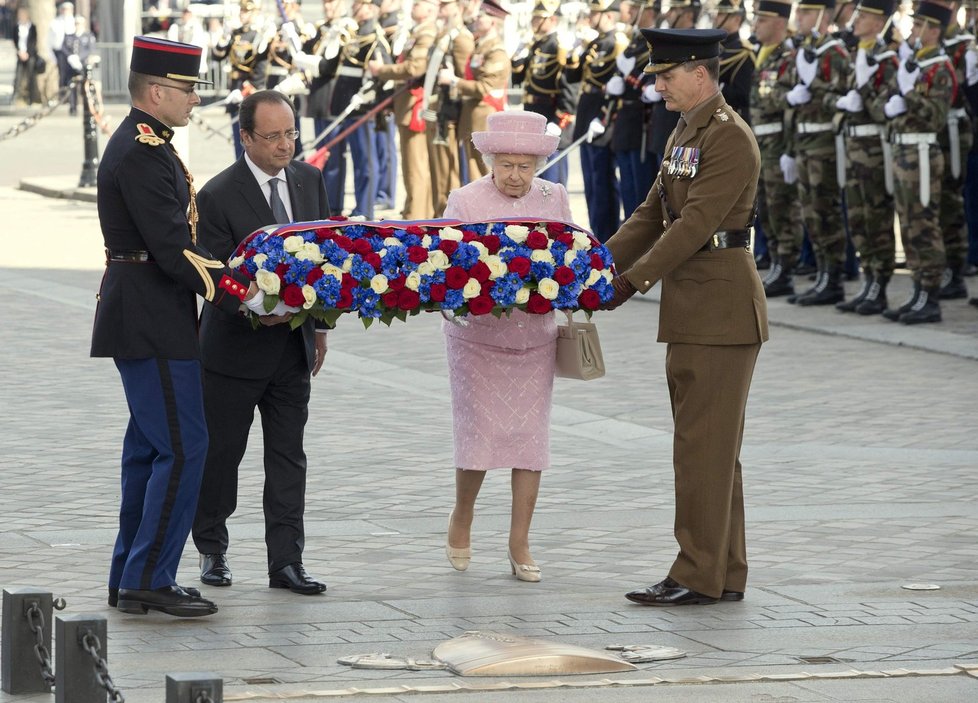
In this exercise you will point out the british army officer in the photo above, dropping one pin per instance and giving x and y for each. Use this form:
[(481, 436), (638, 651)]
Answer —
[(692, 234), (146, 320)]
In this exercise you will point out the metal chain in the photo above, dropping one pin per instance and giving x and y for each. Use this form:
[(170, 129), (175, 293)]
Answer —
[(203, 697), (93, 96), (35, 621), (211, 132), (91, 644), (30, 121)]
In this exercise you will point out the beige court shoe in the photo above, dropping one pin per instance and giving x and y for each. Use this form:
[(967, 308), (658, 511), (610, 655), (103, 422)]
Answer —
[(524, 572), (458, 558)]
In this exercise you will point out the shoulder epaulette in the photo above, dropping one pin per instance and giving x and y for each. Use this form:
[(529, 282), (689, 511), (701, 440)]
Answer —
[(148, 136)]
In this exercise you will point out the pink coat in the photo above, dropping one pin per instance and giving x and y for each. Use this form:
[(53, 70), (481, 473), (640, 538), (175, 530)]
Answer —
[(479, 201)]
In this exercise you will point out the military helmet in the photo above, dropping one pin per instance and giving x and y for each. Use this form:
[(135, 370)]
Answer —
[(773, 8), (816, 5), (546, 8), (877, 7), (606, 6), (731, 7), (933, 13)]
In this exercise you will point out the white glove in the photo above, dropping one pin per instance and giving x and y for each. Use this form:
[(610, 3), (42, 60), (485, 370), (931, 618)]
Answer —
[(625, 63), (281, 308), (446, 76), (799, 95), (307, 63), (75, 62), (850, 102), (256, 304), (863, 70), (806, 70), (595, 129), (895, 106), (234, 97), (554, 130), (907, 79), (905, 51), (971, 67), (615, 86), (292, 85), (789, 167), (650, 94)]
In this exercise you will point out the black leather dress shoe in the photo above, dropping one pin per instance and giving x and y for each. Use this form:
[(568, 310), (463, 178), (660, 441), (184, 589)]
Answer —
[(171, 600), (669, 592), (732, 595), (214, 570), (114, 594), (295, 578)]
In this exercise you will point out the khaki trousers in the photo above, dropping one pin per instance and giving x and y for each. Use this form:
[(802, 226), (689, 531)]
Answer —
[(417, 175), (444, 166)]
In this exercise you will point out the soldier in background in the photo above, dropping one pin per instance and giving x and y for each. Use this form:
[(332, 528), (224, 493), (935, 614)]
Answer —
[(737, 59), (409, 67), (869, 188), (844, 28), (396, 32), (971, 180), (453, 47), (820, 76), (540, 71), (595, 69), (777, 200), (917, 110), (482, 89)]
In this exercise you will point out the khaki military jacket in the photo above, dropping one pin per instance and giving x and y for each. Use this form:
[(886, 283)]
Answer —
[(708, 297), (483, 88), (410, 66)]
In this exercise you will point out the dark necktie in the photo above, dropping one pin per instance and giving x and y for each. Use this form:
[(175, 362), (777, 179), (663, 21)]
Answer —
[(278, 207)]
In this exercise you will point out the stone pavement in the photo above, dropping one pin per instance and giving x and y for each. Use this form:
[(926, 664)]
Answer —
[(859, 456)]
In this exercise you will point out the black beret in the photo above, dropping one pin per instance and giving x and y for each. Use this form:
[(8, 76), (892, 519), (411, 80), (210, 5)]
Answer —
[(671, 47)]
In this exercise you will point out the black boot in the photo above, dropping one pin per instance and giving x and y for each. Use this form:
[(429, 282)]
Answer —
[(926, 309), (778, 281), (762, 261), (828, 290), (952, 285), (795, 297), (853, 303), (894, 313), (875, 301)]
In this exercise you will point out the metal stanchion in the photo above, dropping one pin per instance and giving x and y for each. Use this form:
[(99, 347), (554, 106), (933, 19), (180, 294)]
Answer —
[(194, 688), (81, 646), (89, 130), (25, 655)]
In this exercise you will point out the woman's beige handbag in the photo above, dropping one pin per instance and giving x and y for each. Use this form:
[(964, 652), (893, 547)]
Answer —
[(579, 350)]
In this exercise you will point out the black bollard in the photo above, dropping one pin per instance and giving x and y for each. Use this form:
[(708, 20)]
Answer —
[(20, 670), (190, 687), (77, 675), (89, 131)]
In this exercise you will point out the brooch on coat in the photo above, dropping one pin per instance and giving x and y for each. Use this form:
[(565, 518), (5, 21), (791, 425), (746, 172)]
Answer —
[(685, 161), (547, 190)]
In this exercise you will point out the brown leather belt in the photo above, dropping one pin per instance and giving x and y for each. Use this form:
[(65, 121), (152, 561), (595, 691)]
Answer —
[(728, 239), (128, 256)]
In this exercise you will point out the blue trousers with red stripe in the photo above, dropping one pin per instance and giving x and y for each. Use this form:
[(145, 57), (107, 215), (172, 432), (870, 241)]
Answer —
[(162, 463)]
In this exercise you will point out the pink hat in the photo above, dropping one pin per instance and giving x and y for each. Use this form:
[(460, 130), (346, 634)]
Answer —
[(516, 132)]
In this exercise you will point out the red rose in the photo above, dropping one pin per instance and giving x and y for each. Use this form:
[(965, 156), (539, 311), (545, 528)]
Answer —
[(250, 254), (537, 240), (323, 233), (555, 228), (343, 242), (437, 292), (389, 299), (314, 275), (520, 265), (566, 239), (481, 305), (292, 295), (456, 277), (373, 258), (281, 270), (338, 218), (417, 255), (396, 283), (480, 272), (564, 275), (408, 299), (384, 232), (360, 246), (589, 299), (345, 300), (597, 262), (449, 246), (491, 242), (416, 229), (348, 282), (468, 235), (538, 305)]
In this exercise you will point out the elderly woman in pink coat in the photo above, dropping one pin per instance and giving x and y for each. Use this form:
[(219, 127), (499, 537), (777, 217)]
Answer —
[(502, 370)]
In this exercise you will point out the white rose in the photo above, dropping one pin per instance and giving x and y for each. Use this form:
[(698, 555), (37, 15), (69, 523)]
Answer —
[(379, 283), (309, 293), (333, 271), (472, 289), (607, 275), (481, 248), (522, 295), (236, 262), (543, 255), (592, 278), (413, 281), (392, 242), (425, 268), (518, 233), (268, 281), (426, 241), (293, 244), (439, 260), (569, 257), (348, 264), (497, 267), (450, 233), (548, 288), (260, 259), (581, 241), (309, 251)]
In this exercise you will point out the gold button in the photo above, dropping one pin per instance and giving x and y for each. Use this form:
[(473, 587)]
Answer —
[(647, 283), (665, 224)]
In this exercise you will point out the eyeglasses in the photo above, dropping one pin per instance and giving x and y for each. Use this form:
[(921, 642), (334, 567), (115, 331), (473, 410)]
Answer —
[(186, 91), (290, 135)]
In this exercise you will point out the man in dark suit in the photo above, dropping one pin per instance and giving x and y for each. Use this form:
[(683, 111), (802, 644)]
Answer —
[(269, 367)]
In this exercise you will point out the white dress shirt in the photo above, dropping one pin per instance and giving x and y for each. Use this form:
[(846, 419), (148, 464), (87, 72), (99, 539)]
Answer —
[(263, 179), (22, 31)]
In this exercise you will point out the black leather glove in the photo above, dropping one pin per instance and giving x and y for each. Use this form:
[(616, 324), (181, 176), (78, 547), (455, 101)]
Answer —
[(623, 291)]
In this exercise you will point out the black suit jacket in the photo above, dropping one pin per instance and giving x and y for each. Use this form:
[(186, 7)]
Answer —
[(232, 206)]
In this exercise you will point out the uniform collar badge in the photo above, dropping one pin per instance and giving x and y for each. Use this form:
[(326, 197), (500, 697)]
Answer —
[(148, 136)]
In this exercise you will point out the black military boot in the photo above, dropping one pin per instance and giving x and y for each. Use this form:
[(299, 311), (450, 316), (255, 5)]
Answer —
[(828, 289), (926, 309), (794, 297), (851, 304), (894, 313), (778, 281), (875, 301), (952, 285)]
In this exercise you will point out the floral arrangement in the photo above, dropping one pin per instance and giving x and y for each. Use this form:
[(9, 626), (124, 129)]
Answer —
[(392, 269)]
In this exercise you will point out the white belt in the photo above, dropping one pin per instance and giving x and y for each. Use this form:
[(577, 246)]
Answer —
[(763, 130), (813, 127), (956, 113), (350, 72), (864, 130), (912, 138)]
